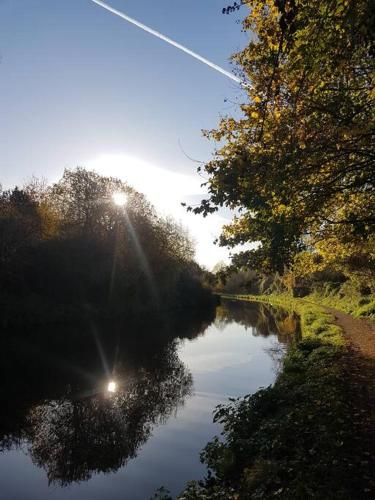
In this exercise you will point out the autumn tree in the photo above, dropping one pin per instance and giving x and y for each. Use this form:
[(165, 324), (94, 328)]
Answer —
[(298, 165)]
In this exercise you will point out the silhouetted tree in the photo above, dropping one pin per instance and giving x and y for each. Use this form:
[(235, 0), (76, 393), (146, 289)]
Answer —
[(69, 247)]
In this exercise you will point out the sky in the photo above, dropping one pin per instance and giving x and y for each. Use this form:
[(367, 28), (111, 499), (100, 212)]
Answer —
[(82, 87)]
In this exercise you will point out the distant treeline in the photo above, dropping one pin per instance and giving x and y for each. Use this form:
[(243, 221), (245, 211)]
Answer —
[(68, 249)]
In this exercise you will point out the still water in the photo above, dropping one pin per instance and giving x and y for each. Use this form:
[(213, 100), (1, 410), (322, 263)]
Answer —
[(104, 412)]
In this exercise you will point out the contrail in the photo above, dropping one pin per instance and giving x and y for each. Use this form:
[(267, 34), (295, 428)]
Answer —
[(169, 40)]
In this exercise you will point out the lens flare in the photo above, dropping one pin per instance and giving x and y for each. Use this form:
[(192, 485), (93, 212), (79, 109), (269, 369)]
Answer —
[(112, 386), (119, 199)]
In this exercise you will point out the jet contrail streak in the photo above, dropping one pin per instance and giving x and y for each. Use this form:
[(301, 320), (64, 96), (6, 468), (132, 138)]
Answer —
[(168, 40)]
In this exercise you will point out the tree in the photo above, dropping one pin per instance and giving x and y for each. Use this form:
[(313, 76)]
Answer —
[(83, 201), (299, 163), (20, 223), (70, 246)]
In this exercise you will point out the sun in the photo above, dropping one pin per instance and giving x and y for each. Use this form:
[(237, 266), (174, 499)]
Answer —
[(119, 198), (112, 386)]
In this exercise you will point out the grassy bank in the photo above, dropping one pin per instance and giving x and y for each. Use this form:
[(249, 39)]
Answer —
[(316, 323), (304, 437), (349, 301)]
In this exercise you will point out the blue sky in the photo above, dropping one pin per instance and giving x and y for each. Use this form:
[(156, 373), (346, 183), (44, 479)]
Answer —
[(79, 86)]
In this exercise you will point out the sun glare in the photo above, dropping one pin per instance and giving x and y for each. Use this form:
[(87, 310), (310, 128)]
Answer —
[(119, 199), (166, 189), (112, 386)]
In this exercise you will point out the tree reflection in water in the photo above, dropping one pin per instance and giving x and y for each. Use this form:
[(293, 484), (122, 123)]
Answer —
[(54, 395), (262, 318), (55, 399), (74, 438)]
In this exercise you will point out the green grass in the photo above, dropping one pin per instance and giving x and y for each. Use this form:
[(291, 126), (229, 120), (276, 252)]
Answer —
[(304, 436), (316, 323), (347, 300)]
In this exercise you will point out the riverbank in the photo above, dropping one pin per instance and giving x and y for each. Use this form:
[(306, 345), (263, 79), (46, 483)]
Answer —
[(311, 434), (316, 322)]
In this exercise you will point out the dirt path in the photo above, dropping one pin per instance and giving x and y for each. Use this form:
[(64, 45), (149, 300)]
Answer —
[(360, 333), (360, 372)]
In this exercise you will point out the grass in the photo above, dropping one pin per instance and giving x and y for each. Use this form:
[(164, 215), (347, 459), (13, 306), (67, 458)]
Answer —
[(347, 300), (304, 436), (316, 323)]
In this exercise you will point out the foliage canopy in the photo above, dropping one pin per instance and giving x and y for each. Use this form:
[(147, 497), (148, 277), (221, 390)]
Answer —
[(298, 164)]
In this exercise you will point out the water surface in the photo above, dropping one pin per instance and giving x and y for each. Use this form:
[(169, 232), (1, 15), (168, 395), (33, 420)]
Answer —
[(63, 435)]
